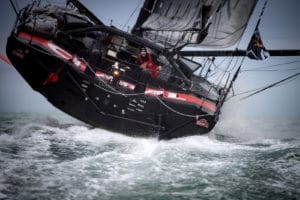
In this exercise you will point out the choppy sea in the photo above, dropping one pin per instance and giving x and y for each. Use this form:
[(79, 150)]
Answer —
[(52, 156)]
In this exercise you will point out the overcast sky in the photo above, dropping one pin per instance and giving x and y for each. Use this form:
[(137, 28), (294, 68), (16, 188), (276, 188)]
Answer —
[(280, 29)]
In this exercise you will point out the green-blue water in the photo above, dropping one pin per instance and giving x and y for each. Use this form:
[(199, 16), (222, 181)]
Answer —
[(55, 157)]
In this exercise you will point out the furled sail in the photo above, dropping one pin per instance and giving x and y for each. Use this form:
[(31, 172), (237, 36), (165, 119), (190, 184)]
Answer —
[(206, 23)]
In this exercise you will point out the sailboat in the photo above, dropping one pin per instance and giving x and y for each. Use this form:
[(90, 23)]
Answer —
[(92, 71)]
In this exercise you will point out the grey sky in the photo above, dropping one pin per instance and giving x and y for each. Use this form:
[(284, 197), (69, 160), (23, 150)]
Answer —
[(280, 28)]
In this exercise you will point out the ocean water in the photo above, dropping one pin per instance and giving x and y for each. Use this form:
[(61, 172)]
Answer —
[(52, 156)]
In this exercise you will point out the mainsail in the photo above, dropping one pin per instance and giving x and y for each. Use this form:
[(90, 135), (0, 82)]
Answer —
[(205, 23)]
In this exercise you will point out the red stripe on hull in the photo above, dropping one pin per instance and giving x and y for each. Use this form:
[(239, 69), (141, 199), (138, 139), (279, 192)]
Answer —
[(181, 97), (55, 49)]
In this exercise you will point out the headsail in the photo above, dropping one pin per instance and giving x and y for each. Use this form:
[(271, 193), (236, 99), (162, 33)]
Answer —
[(210, 23)]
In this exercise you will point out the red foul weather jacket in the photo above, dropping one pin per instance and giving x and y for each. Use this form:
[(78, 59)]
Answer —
[(150, 65)]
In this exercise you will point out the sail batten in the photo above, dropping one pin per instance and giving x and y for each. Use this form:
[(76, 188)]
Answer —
[(204, 23)]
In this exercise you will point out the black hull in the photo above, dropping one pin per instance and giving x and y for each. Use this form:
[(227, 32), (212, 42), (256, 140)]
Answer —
[(91, 72), (86, 99)]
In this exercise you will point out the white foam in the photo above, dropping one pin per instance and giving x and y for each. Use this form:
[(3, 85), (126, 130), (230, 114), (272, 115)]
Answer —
[(104, 162)]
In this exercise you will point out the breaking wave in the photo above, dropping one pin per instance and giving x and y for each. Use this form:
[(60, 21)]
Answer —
[(44, 157)]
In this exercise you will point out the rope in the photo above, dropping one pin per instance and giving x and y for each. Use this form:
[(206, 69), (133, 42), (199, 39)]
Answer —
[(264, 67), (138, 5), (110, 89), (85, 94), (276, 85), (271, 85), (261, 14), (245, 92), (231, 82), (108, 114), (177, 112), (113, 91), (238, 71), (15, 7)]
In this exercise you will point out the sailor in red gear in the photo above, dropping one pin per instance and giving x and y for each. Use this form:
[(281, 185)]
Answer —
[(146, 61)]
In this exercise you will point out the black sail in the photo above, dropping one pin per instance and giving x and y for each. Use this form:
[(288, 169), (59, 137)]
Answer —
[(203, 23)]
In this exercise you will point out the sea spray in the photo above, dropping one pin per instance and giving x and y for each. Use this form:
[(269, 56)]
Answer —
[(41, 159)]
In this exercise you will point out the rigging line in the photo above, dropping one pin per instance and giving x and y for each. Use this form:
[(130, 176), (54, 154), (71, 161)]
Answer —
[(108, 114), (271, 85), (108, 86), (59, 2), (291, 69), (85, 94), (223, 75), (207, 65), (177, 112), (284, 83), (44, 52), (224, 70), (218, 85), (245, 92), (227, 70), (263, 67), (166, 24), (218, 68), (217, 20), (124, 94), (234, 65), (118, 93), (256, 89), (203, 66), (138, 5), (14, 8), (189, 30), (240, 39), (220, 63), (112, 90), (110, 22), (231, 83), (41, 51), (211, 44), (273, 70), (17, 5), (238, 43), (212, 17), (261, 14)]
